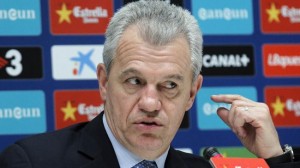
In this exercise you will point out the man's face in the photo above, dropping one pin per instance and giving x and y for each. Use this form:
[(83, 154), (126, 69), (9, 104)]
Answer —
[(147, 92)]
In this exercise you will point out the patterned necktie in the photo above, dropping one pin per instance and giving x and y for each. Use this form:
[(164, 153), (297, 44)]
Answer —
[(145, 164)]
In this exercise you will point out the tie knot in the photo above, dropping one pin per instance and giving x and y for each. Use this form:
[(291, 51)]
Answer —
[(145, 164)]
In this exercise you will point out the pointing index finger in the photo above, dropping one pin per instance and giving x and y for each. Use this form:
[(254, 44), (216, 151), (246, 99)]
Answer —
[(228, 98)]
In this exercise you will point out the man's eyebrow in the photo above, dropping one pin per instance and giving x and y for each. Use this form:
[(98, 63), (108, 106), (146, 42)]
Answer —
[(175, 76), (130, 71), (136, 72)]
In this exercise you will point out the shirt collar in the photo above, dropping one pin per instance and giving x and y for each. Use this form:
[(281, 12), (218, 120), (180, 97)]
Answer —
[(125, 157)]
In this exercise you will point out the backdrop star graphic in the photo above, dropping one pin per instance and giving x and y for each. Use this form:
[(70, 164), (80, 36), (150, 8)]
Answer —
[(69, 111), (64, 14), (273, 13)]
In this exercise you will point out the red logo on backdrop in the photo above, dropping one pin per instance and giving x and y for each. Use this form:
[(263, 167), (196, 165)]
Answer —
[(80, 17), (76, 106), (284, 105), (279, 16), (281, 60)]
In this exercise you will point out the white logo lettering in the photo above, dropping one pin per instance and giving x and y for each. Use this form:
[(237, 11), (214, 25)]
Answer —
[(19, 113), (292, 13), (90, 15), (90, 111), (283, 61), (16, 67), (292, 105), (16, 14), (225, 14), (225, 60)]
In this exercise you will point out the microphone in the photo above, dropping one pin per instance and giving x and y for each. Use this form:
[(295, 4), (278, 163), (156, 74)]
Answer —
[(211, 152), (216, 160)]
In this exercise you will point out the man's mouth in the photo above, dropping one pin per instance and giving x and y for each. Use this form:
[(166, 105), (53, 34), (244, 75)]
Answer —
[(149, 123)]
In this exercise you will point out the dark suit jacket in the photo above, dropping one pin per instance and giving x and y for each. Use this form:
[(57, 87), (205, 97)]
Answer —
[(84, 145)]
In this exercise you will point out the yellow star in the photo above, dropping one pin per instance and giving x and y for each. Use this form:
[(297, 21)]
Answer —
[(64, 14), (69, 111), (278, 107), (273, 13)]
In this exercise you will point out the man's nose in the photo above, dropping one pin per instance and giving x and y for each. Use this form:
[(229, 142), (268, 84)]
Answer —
[(150, 99)]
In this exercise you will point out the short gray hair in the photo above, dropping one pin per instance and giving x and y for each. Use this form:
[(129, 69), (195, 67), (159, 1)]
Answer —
[(159, 23)]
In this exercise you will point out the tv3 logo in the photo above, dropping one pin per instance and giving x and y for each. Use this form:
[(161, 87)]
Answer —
[(14, 67)]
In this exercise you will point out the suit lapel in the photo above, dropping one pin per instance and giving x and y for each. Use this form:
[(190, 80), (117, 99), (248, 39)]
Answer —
[(95, 144), (173, 160)]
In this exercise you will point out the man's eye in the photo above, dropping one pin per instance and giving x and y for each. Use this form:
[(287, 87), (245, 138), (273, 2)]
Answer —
[(170, 85), (134, 81)]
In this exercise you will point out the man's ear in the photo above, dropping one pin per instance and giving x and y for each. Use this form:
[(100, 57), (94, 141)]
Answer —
[(196, 85), (102, 80)]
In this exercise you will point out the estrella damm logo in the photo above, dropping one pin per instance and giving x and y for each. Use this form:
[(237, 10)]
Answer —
[(284, 105), (80, 17), (74, 106), (279, 16)]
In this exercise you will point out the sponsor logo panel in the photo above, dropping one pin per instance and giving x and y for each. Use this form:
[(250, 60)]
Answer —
[(280, 16), (233, 16), (20, 17), (176, 2), (22, 112), (207, 109), (234, 151), (284, 105), (74, 106), (228, 60), (21, 63), (75, 62), (281, 60), (80, 17)]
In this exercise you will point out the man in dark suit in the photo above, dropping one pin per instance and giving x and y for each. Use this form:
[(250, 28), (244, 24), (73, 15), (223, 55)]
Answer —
[(150, 77)]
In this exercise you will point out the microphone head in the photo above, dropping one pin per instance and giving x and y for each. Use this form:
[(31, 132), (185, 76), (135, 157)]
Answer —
[(211, 152)]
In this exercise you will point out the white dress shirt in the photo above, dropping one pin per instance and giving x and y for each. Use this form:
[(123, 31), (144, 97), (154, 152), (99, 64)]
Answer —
[(126, 158)]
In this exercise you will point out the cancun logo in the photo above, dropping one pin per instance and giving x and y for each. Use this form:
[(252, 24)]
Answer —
[(234, 16), (22, 112), (20, 18), (223, 14), (17, 14)]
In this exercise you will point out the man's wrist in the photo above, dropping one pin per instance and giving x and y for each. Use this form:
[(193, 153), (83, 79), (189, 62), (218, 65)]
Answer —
[(287, 156)]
